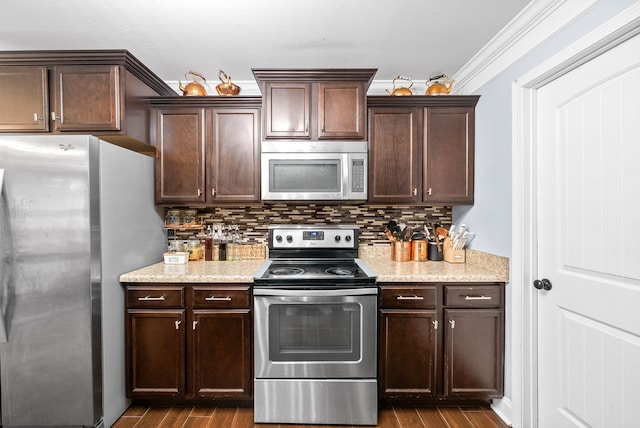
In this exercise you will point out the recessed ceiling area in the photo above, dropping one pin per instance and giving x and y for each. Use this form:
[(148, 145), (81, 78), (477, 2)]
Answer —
[(414, 38)]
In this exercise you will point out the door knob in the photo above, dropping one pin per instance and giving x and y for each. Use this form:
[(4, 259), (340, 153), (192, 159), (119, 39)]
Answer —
[(542, 284)]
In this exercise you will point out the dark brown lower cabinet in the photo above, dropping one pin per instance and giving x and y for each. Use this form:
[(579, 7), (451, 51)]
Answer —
[(408, 356), (441, 342), (188, 342), (473, 360), (156, 352), (221, 353)]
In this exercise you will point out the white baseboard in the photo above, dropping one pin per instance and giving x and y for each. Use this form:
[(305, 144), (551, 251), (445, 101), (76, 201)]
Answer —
[(503, 408)]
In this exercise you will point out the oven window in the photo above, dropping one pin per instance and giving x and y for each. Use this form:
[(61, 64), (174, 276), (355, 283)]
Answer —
[(305, 175), (315, 332)]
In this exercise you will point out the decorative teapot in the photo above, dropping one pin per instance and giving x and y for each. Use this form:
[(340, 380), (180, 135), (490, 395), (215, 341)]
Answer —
[(402, 91), (193, 88), (436, 88), (227, 87)]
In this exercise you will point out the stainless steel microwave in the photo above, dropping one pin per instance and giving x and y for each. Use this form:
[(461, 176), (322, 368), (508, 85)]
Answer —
[(314, 170)]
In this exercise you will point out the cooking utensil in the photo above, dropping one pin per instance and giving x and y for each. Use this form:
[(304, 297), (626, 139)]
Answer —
[(406, 233), (437, 238)]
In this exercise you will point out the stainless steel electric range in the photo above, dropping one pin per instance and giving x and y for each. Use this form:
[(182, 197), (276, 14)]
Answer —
[(315, 329)]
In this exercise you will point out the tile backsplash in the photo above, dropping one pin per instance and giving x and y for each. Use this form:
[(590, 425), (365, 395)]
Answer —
[(253, 221)]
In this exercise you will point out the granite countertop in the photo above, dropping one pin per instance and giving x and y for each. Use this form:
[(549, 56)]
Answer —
[(479, 267), (196, 271)]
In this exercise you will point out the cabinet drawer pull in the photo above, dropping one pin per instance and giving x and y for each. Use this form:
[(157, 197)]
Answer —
[(481, 297), (409, 298), (217, 299), (149, 298)]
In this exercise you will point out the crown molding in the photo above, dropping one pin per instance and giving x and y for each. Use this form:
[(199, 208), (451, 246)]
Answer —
[(537, 23)]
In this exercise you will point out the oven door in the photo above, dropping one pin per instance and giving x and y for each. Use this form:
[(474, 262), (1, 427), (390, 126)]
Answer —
[(315, 334)]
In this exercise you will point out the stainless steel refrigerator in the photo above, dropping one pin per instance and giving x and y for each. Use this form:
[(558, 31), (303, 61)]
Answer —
[(75, 213)]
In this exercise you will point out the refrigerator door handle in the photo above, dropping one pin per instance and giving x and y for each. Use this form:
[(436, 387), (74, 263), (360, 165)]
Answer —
[(5, 249)]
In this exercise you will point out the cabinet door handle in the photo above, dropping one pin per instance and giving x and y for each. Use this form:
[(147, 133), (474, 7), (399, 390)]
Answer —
[(452, 323), (53, 116), (429, 191), (199, 192), (480, 297), (410, 298), (178, 322), (149, 298), (435, 324), (306, 128), (415, 191), (195, 323), (36, 118), (217, 299), (213, 191)]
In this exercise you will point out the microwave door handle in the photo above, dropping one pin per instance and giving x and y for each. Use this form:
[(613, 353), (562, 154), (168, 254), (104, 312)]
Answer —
[(5, 259)]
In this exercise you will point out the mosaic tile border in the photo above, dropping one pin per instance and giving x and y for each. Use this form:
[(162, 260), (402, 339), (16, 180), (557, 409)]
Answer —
[(253, 221)]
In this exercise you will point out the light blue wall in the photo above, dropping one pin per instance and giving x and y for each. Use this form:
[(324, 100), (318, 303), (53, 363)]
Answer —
[(490, 216)]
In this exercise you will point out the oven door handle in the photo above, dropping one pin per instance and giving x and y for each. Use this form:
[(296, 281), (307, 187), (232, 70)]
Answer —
[(329, 292)]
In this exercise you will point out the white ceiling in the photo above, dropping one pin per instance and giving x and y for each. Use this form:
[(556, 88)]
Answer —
[(414, 38)]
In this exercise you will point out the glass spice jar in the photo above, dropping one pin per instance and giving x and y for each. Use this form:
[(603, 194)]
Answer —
[(196, 250), (172, 218), (189, 217)]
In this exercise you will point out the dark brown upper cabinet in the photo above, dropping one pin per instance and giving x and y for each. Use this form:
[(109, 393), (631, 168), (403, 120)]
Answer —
[(83, 92), (208, 149), (24, 99), (421, 149), (314, 104)]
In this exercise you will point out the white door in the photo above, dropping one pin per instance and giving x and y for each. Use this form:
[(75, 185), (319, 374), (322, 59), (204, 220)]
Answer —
[(589, 243)]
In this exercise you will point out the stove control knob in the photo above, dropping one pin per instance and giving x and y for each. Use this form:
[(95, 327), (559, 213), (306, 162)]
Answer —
[(278, 238), (347, 238), (337, 238), (289, 239)]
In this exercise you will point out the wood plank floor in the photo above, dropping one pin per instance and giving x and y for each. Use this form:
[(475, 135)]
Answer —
[(218, 417)]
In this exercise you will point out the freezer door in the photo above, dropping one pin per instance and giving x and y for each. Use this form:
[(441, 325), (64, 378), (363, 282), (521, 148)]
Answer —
[(46, 364)]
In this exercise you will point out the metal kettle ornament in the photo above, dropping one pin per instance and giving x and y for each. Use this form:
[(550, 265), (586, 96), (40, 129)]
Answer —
[(193, 88), (227, 87), (434, 87), (402, 91)]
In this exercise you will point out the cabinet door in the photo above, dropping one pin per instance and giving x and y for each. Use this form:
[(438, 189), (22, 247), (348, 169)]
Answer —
[(448, 155), (287, 110), (408, 353), (473, 356), (393, 154), (156, 353), (233, 153), (87, 98), (180, 145), (24, 99), (341, 110), (221, 349)]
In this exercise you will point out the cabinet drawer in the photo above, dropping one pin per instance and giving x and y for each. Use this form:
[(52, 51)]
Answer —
[(406, 297), (155, 297), (205, 297), (473, 296)]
